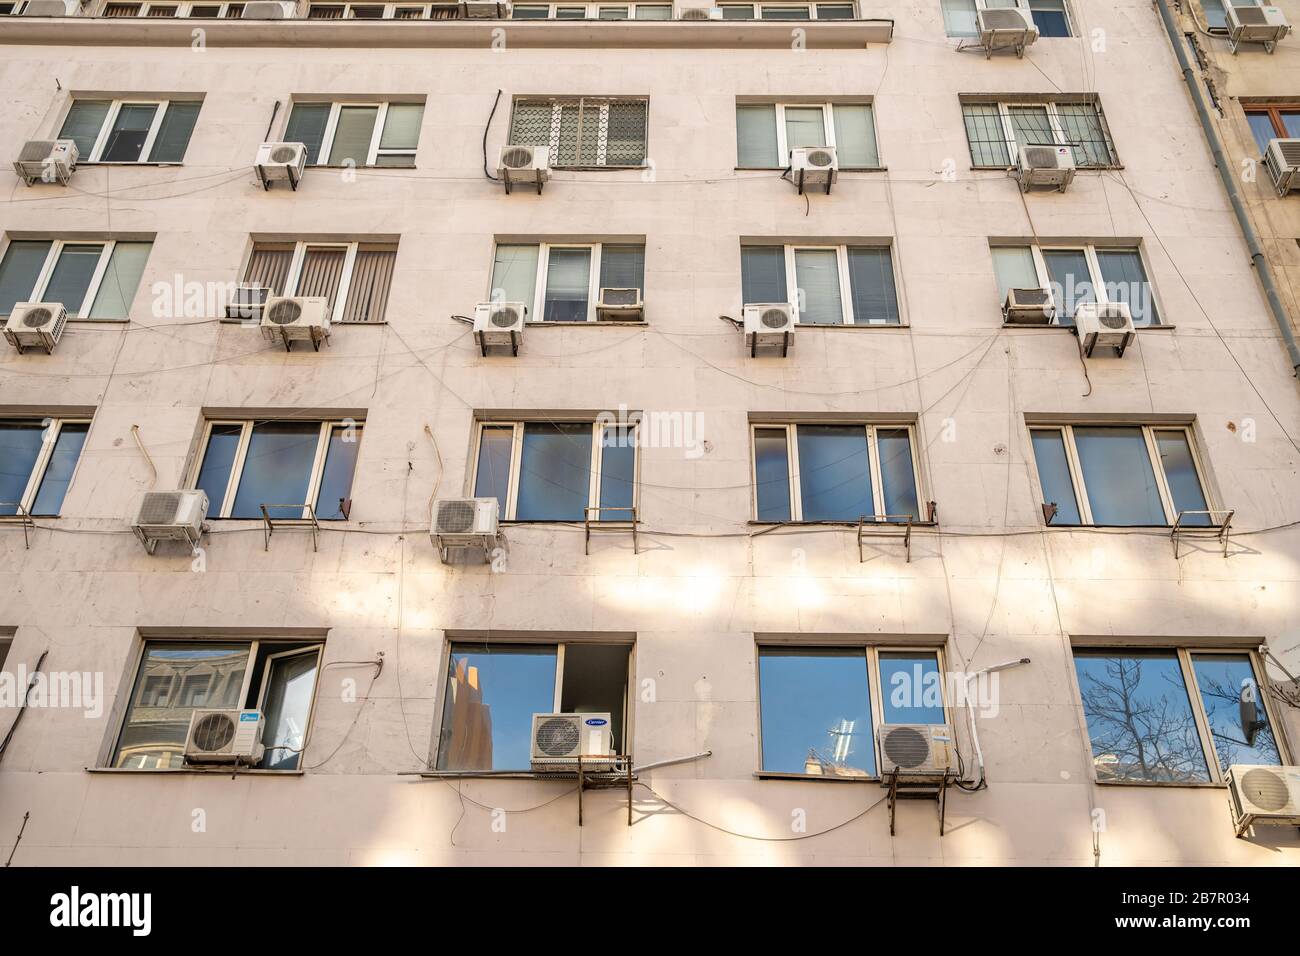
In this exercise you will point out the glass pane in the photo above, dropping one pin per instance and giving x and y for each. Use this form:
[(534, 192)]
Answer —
[(336, 479), (771, 474), (71, 277), (1054, 475), (1067, 270), (817, 273), (514, 275), (1139, 717), (1014, 268), (402, 126), (492, 475), (612, 13), (834, 481), (912, 687), (654, 11), (1031, 126), (622, 267), (287, 709), (1261, 124), (1117, 475), (554, 472), (530, 13), (816, 712), (894, 445), (571, 13), (174, 133), (617, 472), (84, 121), (214, 473), (568, 281), (855, 135), (625, 135), (307, 125), (1180, 474), (19, 271), (804, 126), (488, 706), (125, 142), (762, 274), (1049, 17), (20, 445), (1291, 123), (1126, 281), (738, 11), (871, 283), (1227, 682), (984, 132), (834, 11), (173, 680), (1215, 17), (579, 132), (277, 469), (785, 13), (1083, 131), (58, 473), (352, 135), (959, 18), (756, 135), (121, 279)]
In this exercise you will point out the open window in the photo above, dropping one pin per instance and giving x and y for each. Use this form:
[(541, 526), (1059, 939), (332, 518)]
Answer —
[(131, 130)]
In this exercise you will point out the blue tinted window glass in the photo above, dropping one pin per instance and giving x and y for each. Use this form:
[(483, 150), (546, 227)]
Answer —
[(1071, 281), (1117, 473), (834, 481), (1180, 473), (816, 712), (487, 714), (492, 477), (1054, 476), (1215, 17), (214, 474), (911, 687), (277, 469), (20, 445), (58, 472), (1049, 16), (1126, 281), (336, 479), (1225, 682), (617, 472), (894, 446), (1261, 125), (554, 472), (19, 270), (771, 474), (71, 277)]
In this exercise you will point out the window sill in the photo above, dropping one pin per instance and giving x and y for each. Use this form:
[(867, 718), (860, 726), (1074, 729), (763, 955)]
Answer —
[(1078, 169), (851, 326), (99, 321), (542, 323), (1056, 327), (846, 523), (782, 169), (514, 774), (361, 166), (220, 771), (1163, 784), (600, 169), (813, 777), (81, 163)]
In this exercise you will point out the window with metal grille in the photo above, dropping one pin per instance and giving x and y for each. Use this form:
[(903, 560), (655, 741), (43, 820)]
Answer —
[(997, 129), (583, 131)]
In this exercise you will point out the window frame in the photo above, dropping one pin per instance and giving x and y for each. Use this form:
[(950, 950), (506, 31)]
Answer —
[(293, 276), (828, 125), (593, 9), (811, 5), (389, 10), (221, 510), (597, 451), (184, 8), (791, 250), (792, 467), (46, 272), (110, 119), (52, 428), (598, 102), (1059, 135), (1274, 113), (537, 308), (1095, 276), (374, 151)]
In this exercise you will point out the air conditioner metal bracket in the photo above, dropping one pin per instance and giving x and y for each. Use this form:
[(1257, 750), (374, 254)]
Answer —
[(505, 179), (620, 775), (927, 788), (483, 346), (1218, 528), (309, 523), (266, 182), (597, 524), (889, 526), (20, 517), (800, 183)]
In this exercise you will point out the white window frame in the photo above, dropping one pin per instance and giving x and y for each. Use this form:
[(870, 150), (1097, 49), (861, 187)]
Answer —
[(1095, 277), (593, 9), (265, 688), (373, 152), (601, 103), (845, 280), (222, 509), (536, 308), (81, 313), (52, 428), (760, 5), (110, 120), (390, 9), (597, 447), (792, 466), (782, 138), (300, 249), (1082, 503), (1054, 121), (183, 9)]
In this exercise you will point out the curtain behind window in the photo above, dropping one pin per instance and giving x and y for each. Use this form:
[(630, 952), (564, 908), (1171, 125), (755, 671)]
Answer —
[(372, 274)]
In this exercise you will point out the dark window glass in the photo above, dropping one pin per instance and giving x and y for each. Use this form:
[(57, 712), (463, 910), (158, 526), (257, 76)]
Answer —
[(1054, 476), (131, 128), (771, 474), (1117, 474), (911, 688), (58, 472), (307, 125), (816, 712), (762, 274), (336, 479), (568, 277), (617, 472), (20, 446), (871, 281), (487, 713), (82, 125), (277, 469), (218, 458), (1050, 18), (1180, 474), (1261, 125), (1126, 281), (1226, 681), (897, 474), (554, 472), (287, 709), (70, 280), (1071, 281), (834, 480), (174, 133), (492, 476), (622, 267), (19, 271)]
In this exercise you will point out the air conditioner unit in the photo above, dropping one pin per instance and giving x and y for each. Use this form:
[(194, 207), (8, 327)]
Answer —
[(814, 166), (769, 325), (1006, 28), (524, 164), (1282, 160), (1263, 794), (47, 161), (1248, 23), (171, 516), (36, 325), (246, 303), (1045, 166), (701, 13), (305, 318), (490, 9), (916, 749), (499, 325), (1028, 307), (620, 304), (281, 161), (1104, 323), (464, 523), (52, 8), (269, 10), (560, 739), (224, 736)]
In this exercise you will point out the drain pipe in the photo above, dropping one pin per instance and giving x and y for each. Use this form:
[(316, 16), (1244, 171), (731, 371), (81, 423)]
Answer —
[(1230, 184)]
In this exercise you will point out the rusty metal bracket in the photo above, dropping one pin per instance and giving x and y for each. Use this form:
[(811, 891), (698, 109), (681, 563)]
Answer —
[(930, 789), (599, 525), (20, 516), (619, 775), (1218, 528), (885, 526), (310, 523)]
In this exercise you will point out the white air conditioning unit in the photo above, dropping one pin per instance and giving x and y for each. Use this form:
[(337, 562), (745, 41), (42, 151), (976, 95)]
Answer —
[(814, 166), (916, 749), (1248, 23), (560, 739), (489, 9), (224, 736), (47, 161), (1282, 160), (1263, 794), (246, 303), (464, 523), (52, 8), (269, 10), (499, 325), (1028, 307), (524, 164), (281, 161), (620, 304), (305, 318), (769, 325), (1006, 28), (1104, 323), (701, 13), (171, 516), (1045, 166), (37, 325)]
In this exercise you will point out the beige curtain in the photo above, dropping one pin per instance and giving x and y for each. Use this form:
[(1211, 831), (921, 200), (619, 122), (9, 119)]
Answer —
[(371, 276), (269, 266), (321, 271)]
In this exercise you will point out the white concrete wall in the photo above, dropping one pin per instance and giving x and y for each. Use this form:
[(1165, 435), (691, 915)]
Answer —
[(994, 583)]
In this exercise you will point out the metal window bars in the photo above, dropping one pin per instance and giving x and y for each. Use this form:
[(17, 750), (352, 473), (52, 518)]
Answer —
[(269, 524), (1217, 527), (584, 131), (1079, 124)]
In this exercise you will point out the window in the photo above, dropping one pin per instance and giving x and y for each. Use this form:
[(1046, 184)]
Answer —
[(835, 472), (93, 280), (766, 132), (354, 276), (597, 11), (819, 706), (40, 456), (1050, 16), (493, 690), (833, 285), (583, 131), (1075, 274), (1173, 716), (1121, 475), (356, 134), (996, 130), (787, 11), (1272, 122), (173, 678), (200, 10), (562, 282), (291, 465), (557, 471), (130, 131)]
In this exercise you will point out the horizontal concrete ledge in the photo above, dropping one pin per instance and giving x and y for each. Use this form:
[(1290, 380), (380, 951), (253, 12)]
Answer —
[(485, 34), (199, 771)]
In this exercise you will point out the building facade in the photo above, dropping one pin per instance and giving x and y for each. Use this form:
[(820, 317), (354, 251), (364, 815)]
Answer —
[(857, 531)]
